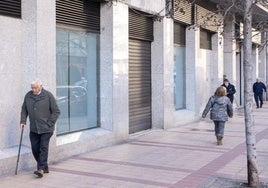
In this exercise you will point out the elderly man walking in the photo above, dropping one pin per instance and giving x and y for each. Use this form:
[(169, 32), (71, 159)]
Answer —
[(41, 107), (258, 88)]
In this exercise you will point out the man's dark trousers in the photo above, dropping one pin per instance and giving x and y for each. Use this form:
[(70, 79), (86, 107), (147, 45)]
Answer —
[(258, 97), (40, 146)]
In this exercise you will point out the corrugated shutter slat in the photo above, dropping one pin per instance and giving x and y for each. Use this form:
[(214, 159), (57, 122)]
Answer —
[(140, 25), (139, 85), (206, 19), (179, 34), (79, 13), (183, 11), (205, 39), (10, 8)]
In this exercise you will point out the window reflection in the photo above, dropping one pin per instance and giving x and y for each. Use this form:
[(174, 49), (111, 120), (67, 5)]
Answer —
[(77, 88), (179, 78)]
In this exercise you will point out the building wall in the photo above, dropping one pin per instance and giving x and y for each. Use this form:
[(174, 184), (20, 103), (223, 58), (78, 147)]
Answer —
[(10, 73), (149, 6), (162, 74), (29, 51)]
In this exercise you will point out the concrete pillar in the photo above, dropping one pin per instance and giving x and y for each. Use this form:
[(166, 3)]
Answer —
[(230, 49), (114, 69), (191, 57), (162, 74), (262, 60), (265, 49), (217, 65), (39, 47), (255, 62)]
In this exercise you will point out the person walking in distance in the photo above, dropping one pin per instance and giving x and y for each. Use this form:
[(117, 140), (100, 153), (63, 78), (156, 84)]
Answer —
[(41, 107), (230, 89), (220, 108), (258, 88)]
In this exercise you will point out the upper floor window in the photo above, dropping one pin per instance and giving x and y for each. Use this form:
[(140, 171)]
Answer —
[(205, 39)]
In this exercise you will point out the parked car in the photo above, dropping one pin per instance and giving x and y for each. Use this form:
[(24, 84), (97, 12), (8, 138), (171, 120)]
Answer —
[(72, 100)]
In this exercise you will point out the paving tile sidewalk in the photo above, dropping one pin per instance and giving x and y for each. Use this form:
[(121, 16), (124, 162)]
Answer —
[(183, 157)]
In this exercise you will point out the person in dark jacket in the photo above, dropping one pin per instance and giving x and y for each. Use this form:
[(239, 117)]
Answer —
[(258, 88), (41, 107), (220, 108), (230, 89)]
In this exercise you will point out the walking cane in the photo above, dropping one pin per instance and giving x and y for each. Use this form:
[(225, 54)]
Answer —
[(18, 158)]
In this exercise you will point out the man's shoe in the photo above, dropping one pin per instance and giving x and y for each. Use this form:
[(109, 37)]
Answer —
[(46, 170), (39, 173), (219, 140)]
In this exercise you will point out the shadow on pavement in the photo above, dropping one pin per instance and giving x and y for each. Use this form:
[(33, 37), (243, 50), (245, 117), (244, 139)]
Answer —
[(216, 182)]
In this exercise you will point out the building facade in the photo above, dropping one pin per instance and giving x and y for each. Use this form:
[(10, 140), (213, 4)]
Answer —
[(115, 67)]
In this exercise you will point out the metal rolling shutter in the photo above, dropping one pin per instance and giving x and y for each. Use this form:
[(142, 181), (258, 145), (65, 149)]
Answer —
[(206, 19), (10, 8), (79, 13), (205, 39), (183, 11), (140, 37), (209, 23), (179, 34), (139, 85), (141, 25)]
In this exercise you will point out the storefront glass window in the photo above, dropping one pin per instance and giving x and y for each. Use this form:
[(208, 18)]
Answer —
[(179, 77), (77, 80)]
